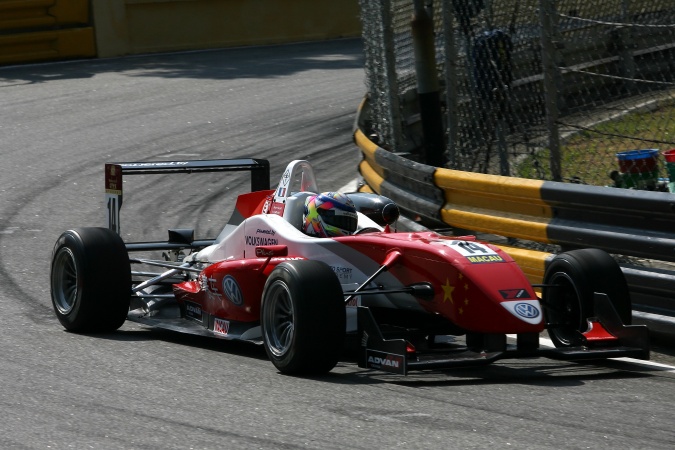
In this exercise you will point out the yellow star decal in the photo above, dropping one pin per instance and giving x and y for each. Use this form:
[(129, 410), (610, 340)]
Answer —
[(447, 291)]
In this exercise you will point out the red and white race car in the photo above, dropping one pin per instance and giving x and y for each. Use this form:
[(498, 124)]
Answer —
[(409, 300)]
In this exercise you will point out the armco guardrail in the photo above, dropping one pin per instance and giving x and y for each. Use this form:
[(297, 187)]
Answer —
[(37, 30), (412, 186), (621, 221), (624, 222)]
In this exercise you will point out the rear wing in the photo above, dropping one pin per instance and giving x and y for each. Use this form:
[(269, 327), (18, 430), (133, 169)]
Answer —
[(114, 172)]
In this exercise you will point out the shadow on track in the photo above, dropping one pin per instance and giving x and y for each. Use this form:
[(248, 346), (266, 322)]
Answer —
[(216, 64)]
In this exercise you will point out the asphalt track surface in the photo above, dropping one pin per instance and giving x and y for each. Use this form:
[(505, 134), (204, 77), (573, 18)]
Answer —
[(139, 388)]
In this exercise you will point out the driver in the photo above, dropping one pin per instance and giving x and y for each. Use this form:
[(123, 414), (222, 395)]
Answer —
[(329, 214)]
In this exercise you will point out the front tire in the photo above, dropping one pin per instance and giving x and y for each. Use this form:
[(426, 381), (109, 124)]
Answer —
[(90, 280), (571, 280), (303, 317)]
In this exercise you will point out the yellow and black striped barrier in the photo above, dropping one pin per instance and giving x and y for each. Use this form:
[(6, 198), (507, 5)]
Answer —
[(419, 189), (632, 223), (620, 221), (410, 183)]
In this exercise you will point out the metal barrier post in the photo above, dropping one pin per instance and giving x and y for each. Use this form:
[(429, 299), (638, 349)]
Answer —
[(428, 88), (546, 13)]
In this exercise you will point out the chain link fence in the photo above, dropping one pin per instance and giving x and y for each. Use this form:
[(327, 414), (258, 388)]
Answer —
[(580, 91)]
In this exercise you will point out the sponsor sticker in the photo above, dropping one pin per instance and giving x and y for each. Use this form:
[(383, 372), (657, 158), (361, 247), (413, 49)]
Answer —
[(474, 252), (221, 326), (262, 252), (354, 301), (514, 294), (343, 273), (203, 282), (277, 208), (260, 240), (208, 285), (156, 164), (526, 310), (388, 362), (113, 179), (266, 206), (193, 311), (232, 290), (481, 259)]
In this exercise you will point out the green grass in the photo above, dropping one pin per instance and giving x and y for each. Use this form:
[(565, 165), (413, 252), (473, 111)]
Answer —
[(591, 155)]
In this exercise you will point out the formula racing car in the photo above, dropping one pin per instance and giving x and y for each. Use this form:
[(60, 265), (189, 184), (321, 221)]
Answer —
[(404, 300)]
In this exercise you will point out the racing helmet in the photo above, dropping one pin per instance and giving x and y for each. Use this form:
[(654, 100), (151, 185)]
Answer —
[(329, 214)]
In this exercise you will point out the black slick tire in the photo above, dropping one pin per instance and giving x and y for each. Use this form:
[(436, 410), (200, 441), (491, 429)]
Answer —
[(303, 318), (571, 280), (90, 280)]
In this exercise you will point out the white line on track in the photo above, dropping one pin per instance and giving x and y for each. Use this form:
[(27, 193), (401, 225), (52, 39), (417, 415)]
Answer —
[(545, 342)]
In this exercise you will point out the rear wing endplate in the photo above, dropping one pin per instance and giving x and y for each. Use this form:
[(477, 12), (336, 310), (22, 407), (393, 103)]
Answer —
[(259, 169)]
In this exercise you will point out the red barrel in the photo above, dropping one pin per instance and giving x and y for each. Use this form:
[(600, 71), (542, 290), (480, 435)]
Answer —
[(638, 161)]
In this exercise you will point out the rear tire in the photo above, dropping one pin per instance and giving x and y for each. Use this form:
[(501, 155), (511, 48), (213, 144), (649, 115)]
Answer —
[(90, 280), (574, 277), (303, 317)]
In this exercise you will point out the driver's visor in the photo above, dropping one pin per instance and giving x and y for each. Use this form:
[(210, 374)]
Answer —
[(345, 220)]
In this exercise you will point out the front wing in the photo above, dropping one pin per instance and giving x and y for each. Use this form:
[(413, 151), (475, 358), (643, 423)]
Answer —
[(607, 338)]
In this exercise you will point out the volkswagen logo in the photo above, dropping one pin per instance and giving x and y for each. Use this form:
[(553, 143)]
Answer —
[(232, 291), (526, 310)]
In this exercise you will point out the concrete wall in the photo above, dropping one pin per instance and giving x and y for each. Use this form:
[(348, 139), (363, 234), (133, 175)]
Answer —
[(42, 30), (38, 30), (142, 26)]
